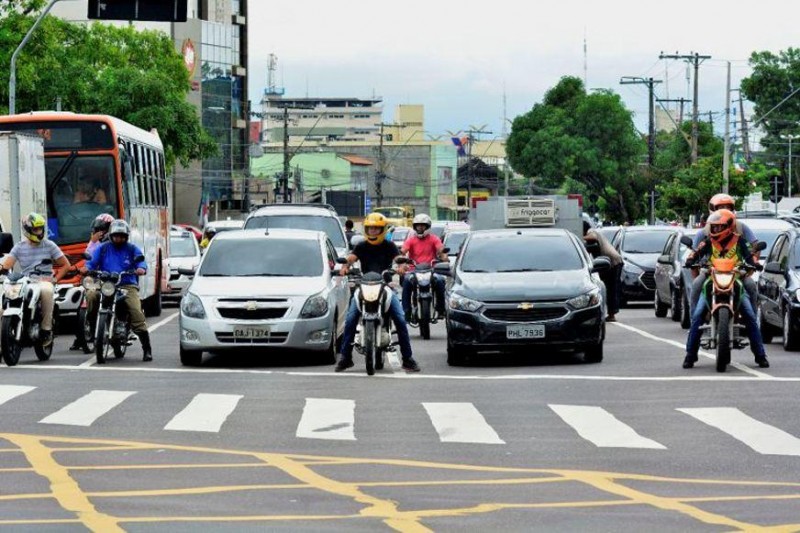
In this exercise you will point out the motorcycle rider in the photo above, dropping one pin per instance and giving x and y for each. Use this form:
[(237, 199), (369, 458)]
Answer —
[(724, 201), (29, 253), (376, 254), (117, 255), (98, 234), (208, 234), (723, 241), (423, 247)]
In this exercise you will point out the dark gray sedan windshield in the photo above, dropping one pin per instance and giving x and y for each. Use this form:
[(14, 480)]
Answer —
[(330, 225), (520, 254), (645, 242), (268, 257)]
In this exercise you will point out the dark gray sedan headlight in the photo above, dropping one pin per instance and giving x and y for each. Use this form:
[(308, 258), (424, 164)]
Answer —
[(583, 301)]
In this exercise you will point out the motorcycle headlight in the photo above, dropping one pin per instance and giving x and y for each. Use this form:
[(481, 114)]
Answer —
[(108, 288), (583, 301), (88, 283), (192, 307), (460, 303), (630, 268), (371, 293), (315, 307), (12, 290), (723, 280)]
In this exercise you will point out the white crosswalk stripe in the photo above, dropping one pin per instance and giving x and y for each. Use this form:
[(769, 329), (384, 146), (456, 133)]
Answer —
[(206, 412), (761, 437), (461, 422), (330, 419), (603, 429), (86, 409), (9, 392)]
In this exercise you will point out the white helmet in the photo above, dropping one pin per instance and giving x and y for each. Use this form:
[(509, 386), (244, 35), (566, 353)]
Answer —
[(119, 227), (422, 219)]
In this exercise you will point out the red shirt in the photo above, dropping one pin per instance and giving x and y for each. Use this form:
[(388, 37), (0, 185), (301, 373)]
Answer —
[(422, 250)]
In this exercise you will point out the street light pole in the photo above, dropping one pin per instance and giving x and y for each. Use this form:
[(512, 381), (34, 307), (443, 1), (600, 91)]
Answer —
[(12, 80), (790, 137)]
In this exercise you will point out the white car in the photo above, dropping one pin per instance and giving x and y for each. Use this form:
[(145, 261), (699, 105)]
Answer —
[(184, 253), (314, 217), (265, 289)]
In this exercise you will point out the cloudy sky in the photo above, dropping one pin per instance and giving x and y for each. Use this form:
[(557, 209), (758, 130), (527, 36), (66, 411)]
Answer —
[(458, 59)]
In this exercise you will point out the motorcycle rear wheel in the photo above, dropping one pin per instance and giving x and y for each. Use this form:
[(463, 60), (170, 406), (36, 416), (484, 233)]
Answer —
[(723, 339), (86, 331), (43, 353), (8, 338)]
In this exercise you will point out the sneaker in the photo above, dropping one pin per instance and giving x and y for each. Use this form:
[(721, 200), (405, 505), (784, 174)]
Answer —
[(440, 314), (409, 365), (762, 361), (147, 357), (611, 318), (343, 364), (76, 345), (689, 361), (46, 337)]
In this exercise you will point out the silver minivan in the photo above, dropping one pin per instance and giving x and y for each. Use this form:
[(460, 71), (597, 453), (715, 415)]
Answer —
[(265, 289)]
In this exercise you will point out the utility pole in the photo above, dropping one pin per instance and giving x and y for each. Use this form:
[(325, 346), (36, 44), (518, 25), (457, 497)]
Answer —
[(380, 174), (790, 137), (651, 133), (471, 132), (726, 156), (745, 142), (678, 124), (286, 154), (695, 59)]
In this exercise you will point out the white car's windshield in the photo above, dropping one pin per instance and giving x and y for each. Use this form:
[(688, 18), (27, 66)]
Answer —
[(268, 257)]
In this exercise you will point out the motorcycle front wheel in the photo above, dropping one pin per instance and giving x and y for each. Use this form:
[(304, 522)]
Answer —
[(425, 319), (8, 339), (369, 341), (723, 338), (101, 340)]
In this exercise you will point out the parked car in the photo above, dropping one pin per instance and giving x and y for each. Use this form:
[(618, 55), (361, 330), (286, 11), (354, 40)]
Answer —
[(767, 230), (275, 290), (778, 303), (640, 247), (673, 282), (518, 288), (184, 253), (453, 239), (315, 217)]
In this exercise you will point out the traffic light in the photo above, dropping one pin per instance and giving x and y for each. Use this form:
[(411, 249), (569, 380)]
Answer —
[(150, 10)]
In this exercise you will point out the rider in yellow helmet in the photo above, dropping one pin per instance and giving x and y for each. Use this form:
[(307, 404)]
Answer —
[(376, 254)]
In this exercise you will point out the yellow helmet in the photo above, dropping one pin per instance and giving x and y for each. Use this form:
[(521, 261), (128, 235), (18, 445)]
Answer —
[(34, 227), (375, 220)]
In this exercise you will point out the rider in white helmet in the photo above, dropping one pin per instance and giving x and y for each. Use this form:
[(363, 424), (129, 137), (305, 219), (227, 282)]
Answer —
[(423, 247)]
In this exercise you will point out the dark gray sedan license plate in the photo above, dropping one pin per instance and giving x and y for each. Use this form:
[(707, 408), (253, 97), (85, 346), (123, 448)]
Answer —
[(527, 331), (250, 333)]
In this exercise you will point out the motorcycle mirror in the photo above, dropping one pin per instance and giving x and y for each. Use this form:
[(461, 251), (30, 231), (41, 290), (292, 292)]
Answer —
[(401, 260), (46, 262), (445, 250), (761, 245), (138, 258), (341, 260), (686, 240), (355, 271), (6, 243)]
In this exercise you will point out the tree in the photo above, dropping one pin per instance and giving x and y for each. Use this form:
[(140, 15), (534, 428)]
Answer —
[(584, 143), (137, 76)]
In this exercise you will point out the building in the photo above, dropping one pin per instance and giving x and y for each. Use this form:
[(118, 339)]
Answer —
[(213, 42)]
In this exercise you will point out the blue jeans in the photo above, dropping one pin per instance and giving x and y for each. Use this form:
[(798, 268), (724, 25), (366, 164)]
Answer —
[(351, 323), (749, 316), (438, 289)]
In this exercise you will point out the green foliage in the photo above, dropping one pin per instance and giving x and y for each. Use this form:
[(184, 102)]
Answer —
[(137, 76), (587, 143)]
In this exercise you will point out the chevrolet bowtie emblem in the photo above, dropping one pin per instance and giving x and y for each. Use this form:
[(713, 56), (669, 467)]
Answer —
[(525, 306), (251, 305)]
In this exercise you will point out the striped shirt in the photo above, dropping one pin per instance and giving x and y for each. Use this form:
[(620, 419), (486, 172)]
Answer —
[(29, 255)]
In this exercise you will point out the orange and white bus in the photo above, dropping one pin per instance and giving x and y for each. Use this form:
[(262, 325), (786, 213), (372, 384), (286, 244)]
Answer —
[(100, 164)]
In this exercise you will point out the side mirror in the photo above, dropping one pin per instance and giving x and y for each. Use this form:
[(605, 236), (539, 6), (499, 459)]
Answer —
[(443, 269), (139, 258), (773, 268), (186, 271), (664, 259), (687, 241), (760, 245), (601, 264), (593, 247), (6, 243)]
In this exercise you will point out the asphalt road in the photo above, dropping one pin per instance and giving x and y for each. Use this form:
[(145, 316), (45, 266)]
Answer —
[(253, 441)]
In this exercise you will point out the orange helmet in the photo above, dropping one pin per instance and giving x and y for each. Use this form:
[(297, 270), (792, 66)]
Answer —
[(375, 220), (721, 201), (721, 224)]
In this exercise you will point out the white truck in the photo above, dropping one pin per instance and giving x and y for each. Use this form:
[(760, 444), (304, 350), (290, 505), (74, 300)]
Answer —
[(22, 181), (547, 211)]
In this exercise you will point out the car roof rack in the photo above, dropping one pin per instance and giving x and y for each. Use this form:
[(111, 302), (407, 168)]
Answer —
[(321, 206)]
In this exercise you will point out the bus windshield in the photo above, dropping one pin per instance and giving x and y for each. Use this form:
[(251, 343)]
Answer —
[(78, 189)]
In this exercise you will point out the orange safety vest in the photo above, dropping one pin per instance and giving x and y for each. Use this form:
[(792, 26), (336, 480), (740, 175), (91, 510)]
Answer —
[(730, 253)]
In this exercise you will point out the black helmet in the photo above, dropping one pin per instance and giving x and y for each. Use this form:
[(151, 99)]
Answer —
[(102, 222)]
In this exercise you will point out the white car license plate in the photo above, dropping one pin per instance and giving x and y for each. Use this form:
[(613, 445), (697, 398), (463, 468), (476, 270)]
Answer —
[(532, 331), (250, 333)]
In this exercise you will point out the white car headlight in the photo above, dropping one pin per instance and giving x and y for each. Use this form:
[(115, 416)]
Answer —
[(12, 290), (315, 307), (460, 303), (108, 288), (631, 268), (192, 307), (583, 301)]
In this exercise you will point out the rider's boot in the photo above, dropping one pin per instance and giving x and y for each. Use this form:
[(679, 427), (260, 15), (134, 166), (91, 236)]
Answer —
[(761, 361), (144, 338), (689, 361)]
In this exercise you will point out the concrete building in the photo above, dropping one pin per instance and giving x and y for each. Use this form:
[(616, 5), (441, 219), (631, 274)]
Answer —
[(213, 42)]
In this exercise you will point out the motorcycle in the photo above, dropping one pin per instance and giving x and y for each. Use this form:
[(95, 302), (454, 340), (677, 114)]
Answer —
[(422, 297), (112, 330), (373, 295), (723, 291), (22, 315)]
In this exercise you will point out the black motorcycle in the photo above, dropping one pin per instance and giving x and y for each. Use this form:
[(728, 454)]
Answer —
[(423, 297), (113, 328)]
